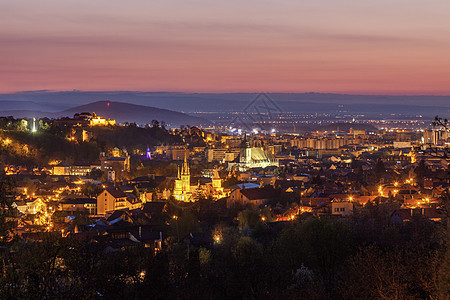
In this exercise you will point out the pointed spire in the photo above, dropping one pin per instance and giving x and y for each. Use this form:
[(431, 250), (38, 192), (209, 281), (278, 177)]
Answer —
[(178, 172), (216, 174), (185, 170)]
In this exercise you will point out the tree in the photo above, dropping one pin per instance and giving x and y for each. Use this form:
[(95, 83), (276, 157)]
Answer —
[(395, 273), (421, 170), (248, 218), (7, 212), (95, 174), (380, 169), (91, 190), (248, 255), (155, 124)]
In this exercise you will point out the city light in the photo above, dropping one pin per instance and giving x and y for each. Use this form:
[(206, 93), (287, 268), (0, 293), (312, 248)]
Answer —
[(333, 184), (33, 128)]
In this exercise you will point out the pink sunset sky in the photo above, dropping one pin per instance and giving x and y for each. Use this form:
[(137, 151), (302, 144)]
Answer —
[(358, 46)]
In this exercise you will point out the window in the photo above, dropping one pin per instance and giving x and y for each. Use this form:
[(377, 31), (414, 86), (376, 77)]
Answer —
[(342, 208)]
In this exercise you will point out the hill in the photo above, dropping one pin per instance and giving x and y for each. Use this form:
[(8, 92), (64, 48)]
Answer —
[(119, 111), (369, 105), (126, 112)]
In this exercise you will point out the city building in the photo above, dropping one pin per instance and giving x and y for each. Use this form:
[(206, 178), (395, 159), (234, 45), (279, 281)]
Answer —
[(113, 198), (252, 158), (182, 189)]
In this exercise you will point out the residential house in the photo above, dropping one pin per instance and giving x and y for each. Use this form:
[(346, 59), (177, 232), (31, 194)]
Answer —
[(112, 199)]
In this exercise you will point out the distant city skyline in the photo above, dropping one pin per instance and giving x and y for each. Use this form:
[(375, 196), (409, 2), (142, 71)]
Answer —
[(394, 47)]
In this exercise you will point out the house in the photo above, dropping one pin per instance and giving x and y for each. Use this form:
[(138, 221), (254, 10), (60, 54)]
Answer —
[(128, 237), (254, 196), (407, 214), (31, 207), (79, 204), (344, 208), (113, 198), (322, 208)]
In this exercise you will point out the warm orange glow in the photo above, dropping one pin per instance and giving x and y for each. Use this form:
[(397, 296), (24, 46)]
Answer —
[(99, 121)]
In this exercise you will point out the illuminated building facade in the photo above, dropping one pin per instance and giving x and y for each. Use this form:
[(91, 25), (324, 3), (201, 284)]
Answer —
[(252, 158), (182, 190)]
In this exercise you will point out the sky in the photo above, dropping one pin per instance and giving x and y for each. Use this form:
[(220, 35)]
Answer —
[(339, 46)]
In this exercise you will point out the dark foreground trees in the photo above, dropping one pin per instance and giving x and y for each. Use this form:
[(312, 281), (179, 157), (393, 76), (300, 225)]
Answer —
[(310, 258)]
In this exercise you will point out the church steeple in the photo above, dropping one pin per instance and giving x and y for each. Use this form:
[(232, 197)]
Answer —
[(216, 174), (185, 170), (182, 190), (244, 144), (216, 181)]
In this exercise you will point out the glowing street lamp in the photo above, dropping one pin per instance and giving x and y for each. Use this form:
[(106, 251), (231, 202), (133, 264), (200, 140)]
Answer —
[(33, 129)]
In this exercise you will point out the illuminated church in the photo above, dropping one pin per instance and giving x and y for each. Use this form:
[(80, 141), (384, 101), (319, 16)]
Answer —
[(182, 190), (251, 157)]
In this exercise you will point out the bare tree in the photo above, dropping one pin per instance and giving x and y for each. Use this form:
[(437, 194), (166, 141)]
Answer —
[(441, 125)]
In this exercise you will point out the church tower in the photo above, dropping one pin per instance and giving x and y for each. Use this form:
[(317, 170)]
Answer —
[(216, 181), (246, 151), (185, 177), (178, 189)]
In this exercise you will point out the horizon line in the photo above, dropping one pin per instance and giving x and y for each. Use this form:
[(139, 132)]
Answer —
[(355, 93)]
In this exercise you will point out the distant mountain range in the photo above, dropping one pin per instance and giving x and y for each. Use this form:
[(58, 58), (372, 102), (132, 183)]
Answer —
[(119, 111), (377, 106)]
